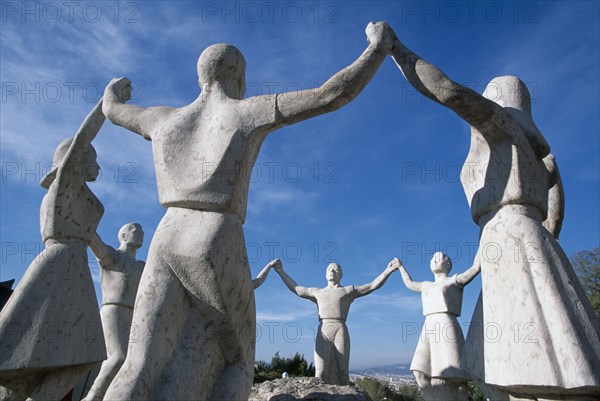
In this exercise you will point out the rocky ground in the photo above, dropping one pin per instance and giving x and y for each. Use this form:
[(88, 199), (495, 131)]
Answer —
[(305, 389)]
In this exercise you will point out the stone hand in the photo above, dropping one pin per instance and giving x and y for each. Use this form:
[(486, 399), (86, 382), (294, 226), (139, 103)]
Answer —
[(395, 264), (121, 88), (276, 264), (381, 35)]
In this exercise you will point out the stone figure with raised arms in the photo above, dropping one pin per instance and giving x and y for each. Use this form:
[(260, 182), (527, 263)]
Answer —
[(50, 329), (120, 274), (197, 276), (332, 345), (436, 363), (550, 342)]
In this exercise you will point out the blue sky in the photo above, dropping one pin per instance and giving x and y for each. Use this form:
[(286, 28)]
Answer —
[(374, 180)]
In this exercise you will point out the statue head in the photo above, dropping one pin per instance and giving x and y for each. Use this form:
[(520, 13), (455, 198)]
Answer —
[(224, 65), (132, 233), (440, 263), (334, 273), (512, 94), (90, 168)]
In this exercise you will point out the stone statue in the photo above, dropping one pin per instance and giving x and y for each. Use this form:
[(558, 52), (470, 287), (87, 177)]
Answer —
[(436, 363), (332, 345), (197, 273), (544, 340), (120, 274), (50, 329), (262, 276)]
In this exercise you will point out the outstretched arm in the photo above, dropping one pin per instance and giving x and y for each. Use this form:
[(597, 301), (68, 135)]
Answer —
[(478, 111), (341, 88), (378, 282), (292, 285), (81, 142), (556, 198), (262, 276), (103, 252), (466, 277), (408, 281), (132, 117)]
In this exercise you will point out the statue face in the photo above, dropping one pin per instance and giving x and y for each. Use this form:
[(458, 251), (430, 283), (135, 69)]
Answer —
[(132, 234), (334, 273), (440, 263)]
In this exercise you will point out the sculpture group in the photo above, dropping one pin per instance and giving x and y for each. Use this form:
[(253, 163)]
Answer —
[(194, 311)]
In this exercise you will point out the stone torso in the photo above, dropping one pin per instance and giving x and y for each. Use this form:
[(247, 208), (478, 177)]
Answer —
[(204, 153), (70, 211), (444, 296), (120, 276), (334, 303), (504, 170)]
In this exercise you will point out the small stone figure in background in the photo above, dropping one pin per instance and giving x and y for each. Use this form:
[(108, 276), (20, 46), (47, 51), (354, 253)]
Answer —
[(262, 276), (120, 274), (436, 363), (332, 346), (50, 329)]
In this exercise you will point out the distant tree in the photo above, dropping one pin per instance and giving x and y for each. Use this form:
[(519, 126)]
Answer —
[(587, 265), (296, 366), (475, 393)]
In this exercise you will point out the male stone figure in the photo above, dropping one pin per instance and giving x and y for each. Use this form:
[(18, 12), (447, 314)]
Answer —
[(262, 276), (436, 363), (120, 275), (332, 346), (196, 296)]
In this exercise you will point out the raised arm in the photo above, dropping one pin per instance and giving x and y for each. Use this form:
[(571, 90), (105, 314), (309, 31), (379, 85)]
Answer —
[(341, 88), (556, 198), (469, 274), (478, 111), (81, 142), (103, 252), (262, 276), (132, 117), (408, 281), (292, 285), (379, 280)]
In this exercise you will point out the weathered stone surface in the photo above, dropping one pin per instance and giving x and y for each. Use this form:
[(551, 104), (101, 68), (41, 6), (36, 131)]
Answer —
[(436, 363), (305, 389), (332, 344), (50, 330), (547, 335), (120, 275), (195, 304)]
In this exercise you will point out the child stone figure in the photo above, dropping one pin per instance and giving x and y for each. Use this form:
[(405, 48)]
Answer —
[(120, 274), (436, 364)]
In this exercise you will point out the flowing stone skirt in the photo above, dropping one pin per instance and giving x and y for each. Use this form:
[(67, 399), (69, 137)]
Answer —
[(533, 325), (439, 349), (52, 319)]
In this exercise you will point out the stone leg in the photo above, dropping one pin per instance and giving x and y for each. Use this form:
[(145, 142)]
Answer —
[(342, 355), (195, 363), (324, 353), (159, 317), (56, 384), (116, 324)]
